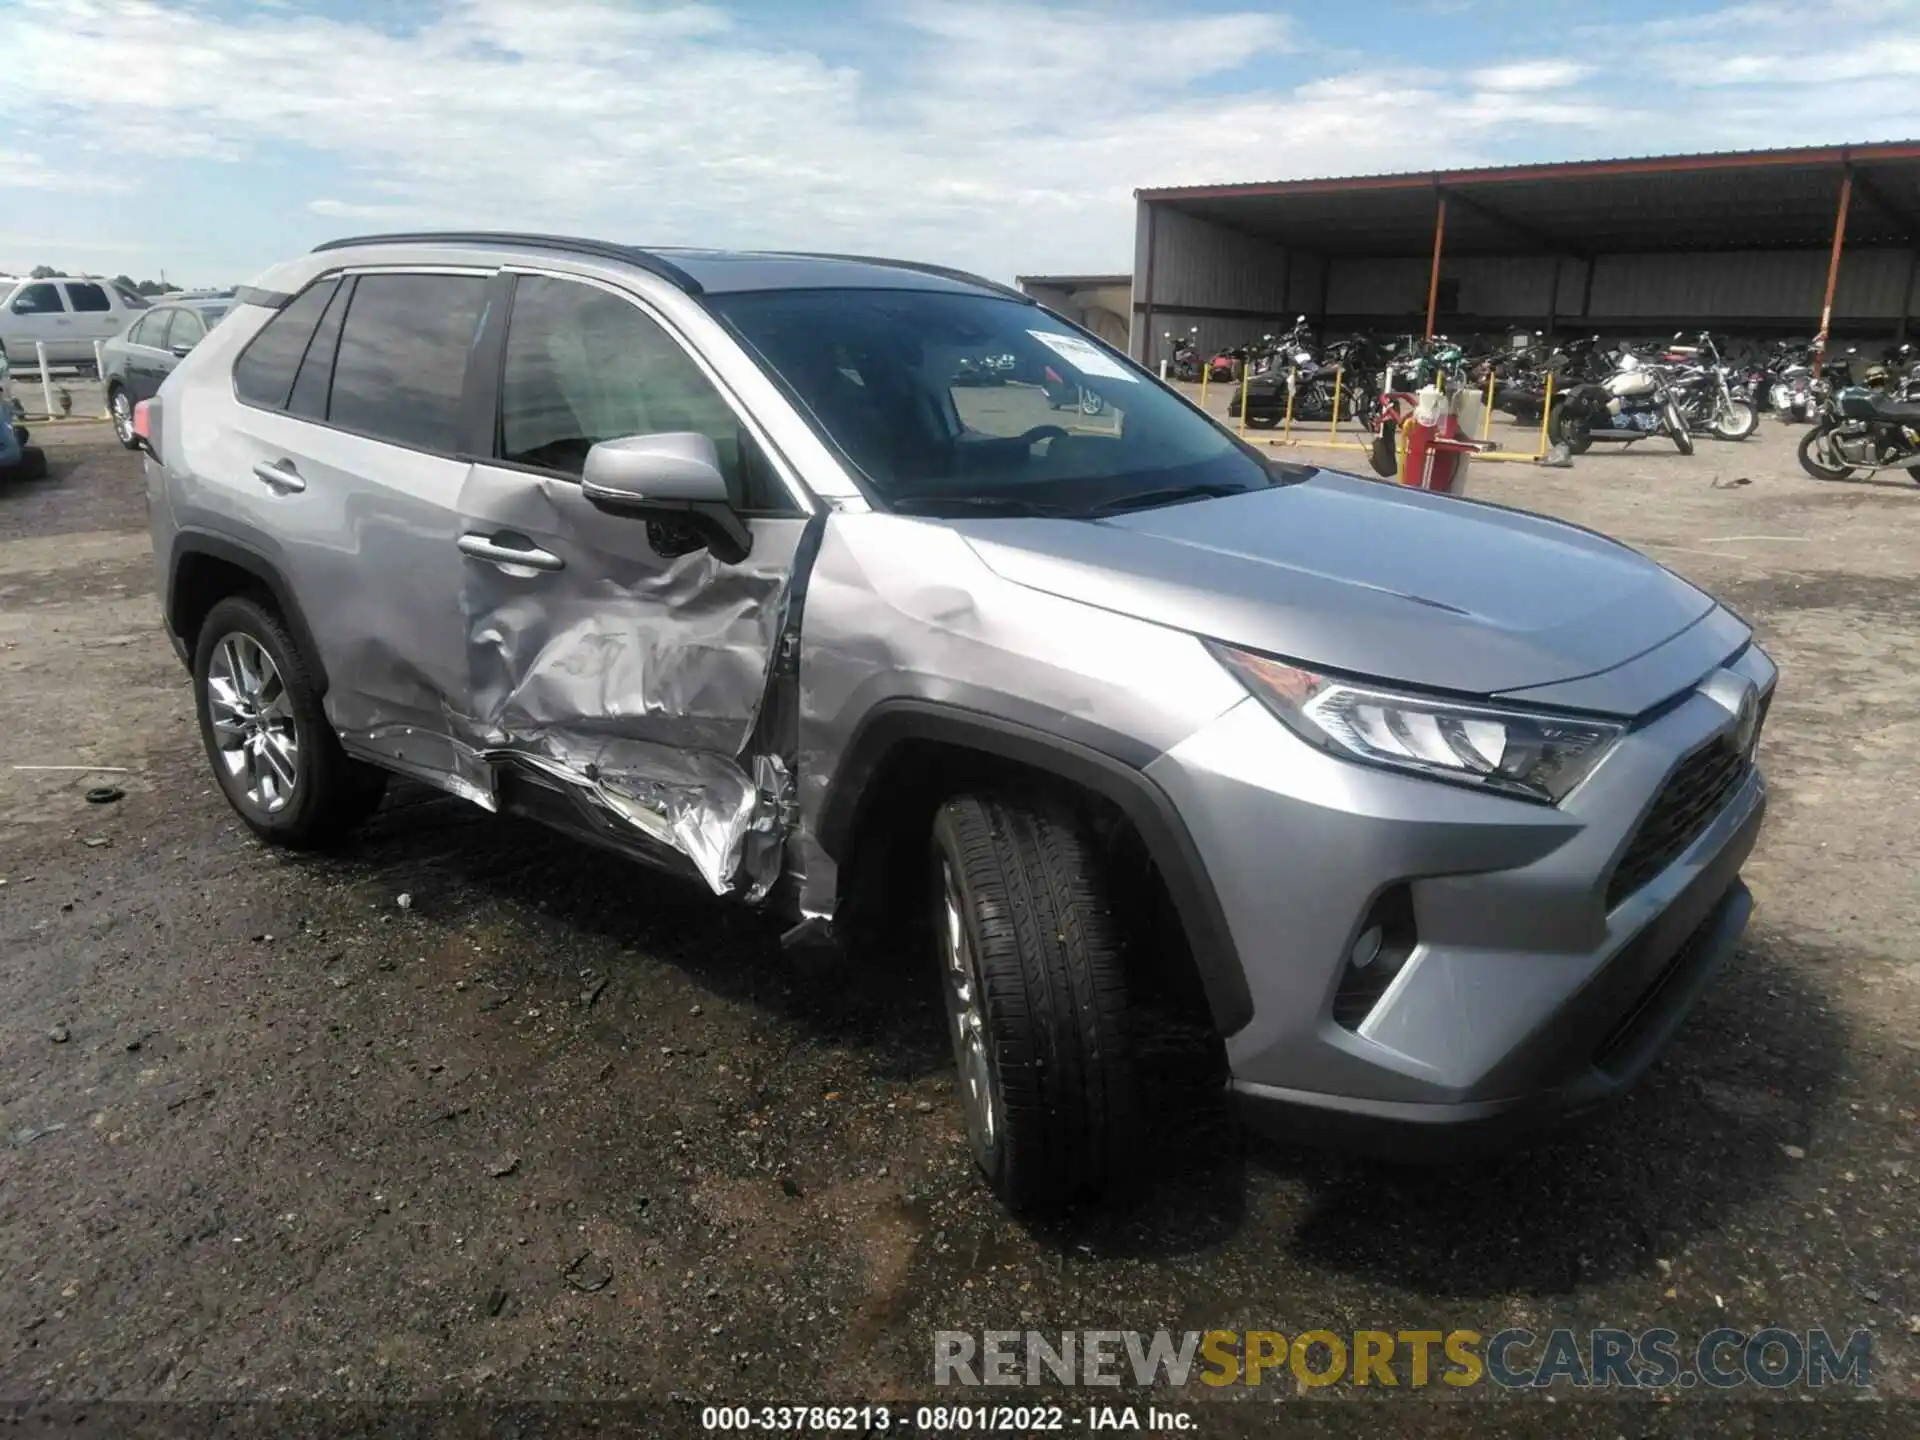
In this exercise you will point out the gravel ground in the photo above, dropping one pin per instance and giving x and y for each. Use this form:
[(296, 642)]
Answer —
[(469, 1112)]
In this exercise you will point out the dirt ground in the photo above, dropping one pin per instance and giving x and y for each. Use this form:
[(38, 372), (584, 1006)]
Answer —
[(472, 1112)]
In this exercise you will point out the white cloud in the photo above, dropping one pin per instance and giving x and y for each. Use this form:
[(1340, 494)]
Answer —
[(1007, 135), (1531, 75), (350, 210)]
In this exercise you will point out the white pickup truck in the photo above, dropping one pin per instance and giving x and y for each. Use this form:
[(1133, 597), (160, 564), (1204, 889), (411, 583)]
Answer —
[(65, 312)]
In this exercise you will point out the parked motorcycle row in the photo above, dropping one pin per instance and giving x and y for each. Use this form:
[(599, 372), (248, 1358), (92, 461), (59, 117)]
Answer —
[(1863, 410)]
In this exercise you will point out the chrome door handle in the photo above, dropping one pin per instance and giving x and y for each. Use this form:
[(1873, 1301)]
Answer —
[(281, 477), (482, 547)]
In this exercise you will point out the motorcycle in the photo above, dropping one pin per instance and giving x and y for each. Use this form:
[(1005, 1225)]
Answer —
[(1697, 377), (1859, 429), (1184, 361), (1292, 367), (1629, 405), (1065, 394)]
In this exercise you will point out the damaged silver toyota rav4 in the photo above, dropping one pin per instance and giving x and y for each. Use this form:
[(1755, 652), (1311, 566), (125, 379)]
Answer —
[(876, 595)]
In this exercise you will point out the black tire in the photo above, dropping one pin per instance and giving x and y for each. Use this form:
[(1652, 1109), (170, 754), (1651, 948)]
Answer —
[(120, 400), (1914, 471), (1817, 468), (1044, 949), (32, 466), (1677, 430), (331, 793), (1262, 419), (1574, 434)]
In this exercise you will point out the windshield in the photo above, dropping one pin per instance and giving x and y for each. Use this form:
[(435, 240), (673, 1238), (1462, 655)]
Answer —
[(951, 402)]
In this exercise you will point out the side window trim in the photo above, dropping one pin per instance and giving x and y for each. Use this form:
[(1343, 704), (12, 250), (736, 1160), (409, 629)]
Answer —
[(333, 277), (803, 499), (342, 298)]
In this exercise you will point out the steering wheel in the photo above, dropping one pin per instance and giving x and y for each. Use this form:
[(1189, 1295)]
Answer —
[(1033, 437)]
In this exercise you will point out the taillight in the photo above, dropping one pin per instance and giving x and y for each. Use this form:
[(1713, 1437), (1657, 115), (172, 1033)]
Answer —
[(144, 424)]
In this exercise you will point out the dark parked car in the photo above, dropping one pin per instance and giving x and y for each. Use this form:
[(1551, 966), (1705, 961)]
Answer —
[(144, 354)]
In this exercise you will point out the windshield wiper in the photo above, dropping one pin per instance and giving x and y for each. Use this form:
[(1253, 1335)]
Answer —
[(981, 504), (1171, 495)]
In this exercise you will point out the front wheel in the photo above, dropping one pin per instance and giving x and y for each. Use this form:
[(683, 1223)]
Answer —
[(1677, 428), (1820, 458), (1736, 420), (1030, 958), (1567, 430)]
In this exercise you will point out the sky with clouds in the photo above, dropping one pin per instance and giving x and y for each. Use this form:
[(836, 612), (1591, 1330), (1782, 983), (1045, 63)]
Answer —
[(212, 137)]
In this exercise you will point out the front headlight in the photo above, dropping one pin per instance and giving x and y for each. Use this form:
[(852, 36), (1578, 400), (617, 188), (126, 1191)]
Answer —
[(1517, 752)]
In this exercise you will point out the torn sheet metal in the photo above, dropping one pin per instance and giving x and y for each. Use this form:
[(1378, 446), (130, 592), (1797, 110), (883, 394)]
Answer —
[(633, 678)]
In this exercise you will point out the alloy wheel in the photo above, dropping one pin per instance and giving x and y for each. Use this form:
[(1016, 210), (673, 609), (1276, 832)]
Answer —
[(252, 720), (122, 406), (966, 1018)]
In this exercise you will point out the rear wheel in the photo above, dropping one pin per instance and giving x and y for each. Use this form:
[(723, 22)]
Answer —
[(269, 741), (1819, 458), (1030, 960), (120, 405)]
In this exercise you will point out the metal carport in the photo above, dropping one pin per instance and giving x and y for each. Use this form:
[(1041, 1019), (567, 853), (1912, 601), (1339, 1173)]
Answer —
[(1749, 242)]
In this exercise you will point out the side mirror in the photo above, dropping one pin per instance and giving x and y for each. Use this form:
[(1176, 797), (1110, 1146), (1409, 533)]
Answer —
[(668, 478)]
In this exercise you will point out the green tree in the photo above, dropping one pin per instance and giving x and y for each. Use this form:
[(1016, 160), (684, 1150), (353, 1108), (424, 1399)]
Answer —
[(41, 272)]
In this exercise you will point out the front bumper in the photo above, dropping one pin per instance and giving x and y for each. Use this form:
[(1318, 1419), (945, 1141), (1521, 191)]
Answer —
[(1529, 996)]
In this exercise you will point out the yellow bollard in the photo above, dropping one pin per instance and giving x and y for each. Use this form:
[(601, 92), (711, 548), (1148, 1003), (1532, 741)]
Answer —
[(1206, 373), (1546, 411), (1246, 382), (1293, 376), (1333, 426), (1486, 424)]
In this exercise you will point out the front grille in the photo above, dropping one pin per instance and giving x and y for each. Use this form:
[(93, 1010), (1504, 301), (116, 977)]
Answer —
[(1696, 792)]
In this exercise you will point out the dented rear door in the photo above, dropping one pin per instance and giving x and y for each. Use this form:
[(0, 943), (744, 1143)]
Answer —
[(611, 656)]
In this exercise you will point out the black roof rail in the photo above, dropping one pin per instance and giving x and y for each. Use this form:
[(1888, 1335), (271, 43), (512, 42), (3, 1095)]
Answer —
[(945, 272), (606, 250)]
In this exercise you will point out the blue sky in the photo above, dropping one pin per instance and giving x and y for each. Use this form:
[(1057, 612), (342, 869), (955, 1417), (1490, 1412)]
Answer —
[(209, 138)]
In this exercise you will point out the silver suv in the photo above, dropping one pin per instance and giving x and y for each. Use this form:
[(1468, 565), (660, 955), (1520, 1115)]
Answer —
[(798, 574)]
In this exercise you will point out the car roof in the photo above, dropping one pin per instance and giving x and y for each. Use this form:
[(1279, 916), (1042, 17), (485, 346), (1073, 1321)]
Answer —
[(716, 272)]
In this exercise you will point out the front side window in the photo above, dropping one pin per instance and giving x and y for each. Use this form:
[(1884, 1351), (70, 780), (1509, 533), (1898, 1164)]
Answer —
[(584, 365), (264, 374), (956, 401), (41, 299), (88, 299), (402, 360), (131, 301)]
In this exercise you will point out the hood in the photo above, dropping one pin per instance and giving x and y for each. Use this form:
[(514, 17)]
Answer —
[(1370, 579)]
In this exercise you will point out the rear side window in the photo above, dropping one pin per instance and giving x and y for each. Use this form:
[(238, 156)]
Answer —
[(264, 374), (310, 387), (88, 299), (403, 357), (186, 329), (146, 330), (42, 299)]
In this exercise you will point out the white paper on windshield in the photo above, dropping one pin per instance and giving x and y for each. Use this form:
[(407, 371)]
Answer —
[(1087, 358)]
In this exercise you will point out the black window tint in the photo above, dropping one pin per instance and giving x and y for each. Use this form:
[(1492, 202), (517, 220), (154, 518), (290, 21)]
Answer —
[(88, 299), (186, 329), (583, 366), (315, 379), (40, 299), (403, 357), (264, 373)]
